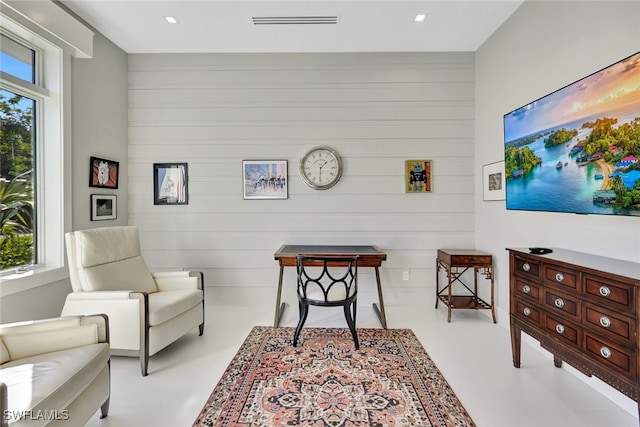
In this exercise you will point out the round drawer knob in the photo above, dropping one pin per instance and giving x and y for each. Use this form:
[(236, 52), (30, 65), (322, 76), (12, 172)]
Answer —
[(559, 302), (559, 329), (526, 266), (527, 311), (559, 277), (526, 289), (605, 352), (605, 322), (605, 291)]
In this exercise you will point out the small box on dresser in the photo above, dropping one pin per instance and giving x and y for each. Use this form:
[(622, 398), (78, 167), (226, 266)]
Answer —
[(582, 308)]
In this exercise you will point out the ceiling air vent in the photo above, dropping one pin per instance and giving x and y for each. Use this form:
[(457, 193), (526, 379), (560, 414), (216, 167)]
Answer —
[(294, 20)]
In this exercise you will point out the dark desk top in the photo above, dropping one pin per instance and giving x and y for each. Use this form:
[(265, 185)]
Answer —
[(370, 256), (464, 258)]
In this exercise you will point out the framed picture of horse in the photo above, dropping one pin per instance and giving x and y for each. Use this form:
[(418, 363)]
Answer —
[(103, 173), (264, 179)]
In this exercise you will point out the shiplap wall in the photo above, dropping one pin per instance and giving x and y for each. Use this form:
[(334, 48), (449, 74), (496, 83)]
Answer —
[(377, 110)]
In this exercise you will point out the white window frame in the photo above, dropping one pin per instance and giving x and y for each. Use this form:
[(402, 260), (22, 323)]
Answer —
[(52, 95)]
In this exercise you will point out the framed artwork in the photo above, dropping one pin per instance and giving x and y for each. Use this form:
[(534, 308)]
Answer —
[(103, 206), (103, 173), (264, 179), (170, 184), (493, 181), (417, 176)]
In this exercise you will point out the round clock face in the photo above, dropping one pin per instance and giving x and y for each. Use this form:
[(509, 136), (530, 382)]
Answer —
[(321, 168)]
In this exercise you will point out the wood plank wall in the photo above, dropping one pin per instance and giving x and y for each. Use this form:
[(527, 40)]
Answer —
[(377, 110)]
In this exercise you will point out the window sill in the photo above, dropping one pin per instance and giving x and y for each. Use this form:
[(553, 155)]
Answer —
[(15, 283)]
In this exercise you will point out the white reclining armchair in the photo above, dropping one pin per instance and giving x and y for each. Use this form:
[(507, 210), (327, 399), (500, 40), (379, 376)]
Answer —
[(54, 372), (147, 311)]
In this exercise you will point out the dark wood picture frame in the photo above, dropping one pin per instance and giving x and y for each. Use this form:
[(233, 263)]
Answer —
[(103, 173), (170, 184)]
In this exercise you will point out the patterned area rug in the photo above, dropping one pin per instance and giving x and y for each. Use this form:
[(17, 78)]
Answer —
[(389, 381)]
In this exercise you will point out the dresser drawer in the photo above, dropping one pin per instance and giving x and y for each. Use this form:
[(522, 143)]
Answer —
[(526, 311), (610, 293), (611, 355), (562, 304), (528, 290), (563, 330), (608, 324), (527, 268), (561, 278)]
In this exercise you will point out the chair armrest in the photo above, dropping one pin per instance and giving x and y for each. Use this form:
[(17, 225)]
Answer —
[(42, 325), (128, 313), (178, 280), (25, 339), (102, 323), (4, 404), (100, 295)]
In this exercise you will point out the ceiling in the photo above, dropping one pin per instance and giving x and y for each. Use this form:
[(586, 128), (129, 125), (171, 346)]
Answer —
[(138, 26)]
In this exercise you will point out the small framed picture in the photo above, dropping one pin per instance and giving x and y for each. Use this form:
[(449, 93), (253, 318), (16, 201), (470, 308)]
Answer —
[(103, 173), (170, 184), (264, 179), (103, 206), (417, 178), (493, 181)]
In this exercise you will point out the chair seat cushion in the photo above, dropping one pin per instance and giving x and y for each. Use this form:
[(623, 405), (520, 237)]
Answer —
[(169, 304), (53, 380)]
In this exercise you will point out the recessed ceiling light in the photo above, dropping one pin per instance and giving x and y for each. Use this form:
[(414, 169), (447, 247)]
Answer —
[(171, 19), (420, 18)]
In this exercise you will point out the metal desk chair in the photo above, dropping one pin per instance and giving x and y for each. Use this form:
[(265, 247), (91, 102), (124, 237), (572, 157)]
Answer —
[(327, 282)]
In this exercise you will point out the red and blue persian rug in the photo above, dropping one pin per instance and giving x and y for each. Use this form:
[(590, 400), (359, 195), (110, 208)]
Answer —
[(389, 381)]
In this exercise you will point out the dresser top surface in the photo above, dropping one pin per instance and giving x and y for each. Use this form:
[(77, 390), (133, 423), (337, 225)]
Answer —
[(588, 261)]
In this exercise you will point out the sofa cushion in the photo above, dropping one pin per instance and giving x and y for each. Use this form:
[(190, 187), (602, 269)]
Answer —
[(167, 305), (50, 381)]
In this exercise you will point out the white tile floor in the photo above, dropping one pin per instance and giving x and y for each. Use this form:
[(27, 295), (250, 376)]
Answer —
[(473, 354)]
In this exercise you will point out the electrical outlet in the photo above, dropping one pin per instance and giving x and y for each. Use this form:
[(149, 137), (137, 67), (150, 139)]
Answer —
[(405, 275)]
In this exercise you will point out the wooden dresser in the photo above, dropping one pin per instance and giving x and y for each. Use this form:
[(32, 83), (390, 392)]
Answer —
[(583, 309)]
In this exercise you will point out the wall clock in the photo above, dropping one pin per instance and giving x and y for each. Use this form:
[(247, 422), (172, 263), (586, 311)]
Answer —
[(321, 168)]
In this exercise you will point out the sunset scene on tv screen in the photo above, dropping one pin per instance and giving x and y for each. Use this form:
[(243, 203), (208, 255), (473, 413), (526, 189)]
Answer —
[(577, 149)]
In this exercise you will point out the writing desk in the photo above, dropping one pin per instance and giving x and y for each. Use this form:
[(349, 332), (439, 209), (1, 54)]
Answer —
[(369, 256)]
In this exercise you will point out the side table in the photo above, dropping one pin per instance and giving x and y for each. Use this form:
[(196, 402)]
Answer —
[(456, 262)]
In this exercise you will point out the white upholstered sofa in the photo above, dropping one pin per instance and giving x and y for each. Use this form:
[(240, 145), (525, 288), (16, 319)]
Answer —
[(147, 311), (54, 372)]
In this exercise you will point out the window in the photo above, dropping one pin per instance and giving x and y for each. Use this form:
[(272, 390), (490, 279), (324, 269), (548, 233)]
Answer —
[(17, 157), (32, 147), (38, 40)]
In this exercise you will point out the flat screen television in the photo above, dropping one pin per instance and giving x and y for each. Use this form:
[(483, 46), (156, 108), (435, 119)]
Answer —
[(577, 149)]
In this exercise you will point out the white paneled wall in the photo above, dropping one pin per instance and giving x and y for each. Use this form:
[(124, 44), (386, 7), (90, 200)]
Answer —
[(377, 110)]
